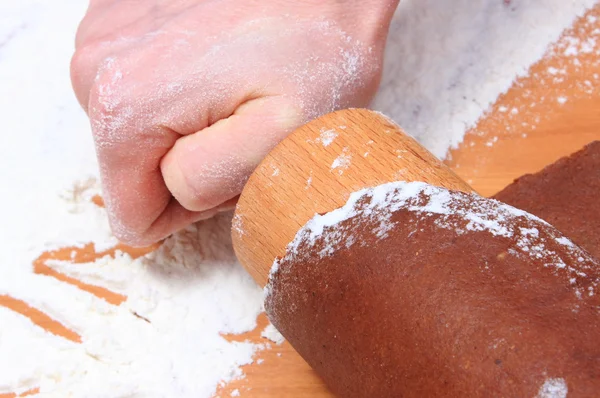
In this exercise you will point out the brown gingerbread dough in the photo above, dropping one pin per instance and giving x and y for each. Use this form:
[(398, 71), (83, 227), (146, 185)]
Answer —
[(566, 194), (416, 291)]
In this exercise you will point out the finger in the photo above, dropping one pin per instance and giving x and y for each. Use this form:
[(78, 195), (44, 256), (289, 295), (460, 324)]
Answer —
[(141, 209), (87, 64), (95, 48), (209, 167), (175, 217)]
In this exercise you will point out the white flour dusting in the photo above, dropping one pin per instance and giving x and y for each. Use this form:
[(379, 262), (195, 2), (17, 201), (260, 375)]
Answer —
[(572, 55), (271, 333), (446, 63), (342, 162), (166, 337), (553, 388), (327, 137)]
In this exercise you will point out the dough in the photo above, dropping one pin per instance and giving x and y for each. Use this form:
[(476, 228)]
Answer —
[(416, 291), (566, 194)]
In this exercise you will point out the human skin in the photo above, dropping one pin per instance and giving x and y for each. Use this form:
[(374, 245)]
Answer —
[(185, 97)]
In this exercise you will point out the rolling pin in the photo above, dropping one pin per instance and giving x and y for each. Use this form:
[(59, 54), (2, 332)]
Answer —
[(391, 277)]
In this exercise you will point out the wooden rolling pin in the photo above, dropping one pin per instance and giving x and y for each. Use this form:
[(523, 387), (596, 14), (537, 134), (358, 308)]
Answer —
[(315, 169), (413, 289)]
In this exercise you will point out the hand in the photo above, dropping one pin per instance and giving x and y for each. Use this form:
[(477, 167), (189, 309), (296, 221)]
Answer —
[(185, 97)]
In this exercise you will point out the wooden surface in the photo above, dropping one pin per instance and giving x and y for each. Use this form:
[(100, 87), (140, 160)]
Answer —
[(504, 145), (314, 171)]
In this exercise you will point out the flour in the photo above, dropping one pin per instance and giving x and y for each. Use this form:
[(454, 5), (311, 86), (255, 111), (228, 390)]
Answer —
[(448, 61), (443, 69), (553, 388), (327, 137), (342, 162), (272, 334), (171, 324)]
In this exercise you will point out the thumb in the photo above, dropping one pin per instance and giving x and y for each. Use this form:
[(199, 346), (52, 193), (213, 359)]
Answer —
[(209, 167)]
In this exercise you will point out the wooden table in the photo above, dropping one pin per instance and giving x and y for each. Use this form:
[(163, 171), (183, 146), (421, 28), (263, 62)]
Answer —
[(504, 145)]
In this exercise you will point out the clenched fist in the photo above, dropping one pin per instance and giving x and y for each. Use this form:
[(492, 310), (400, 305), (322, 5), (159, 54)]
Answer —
[(185, 97)]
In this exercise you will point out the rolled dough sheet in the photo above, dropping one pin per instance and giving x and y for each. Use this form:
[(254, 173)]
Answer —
[(566, 194)]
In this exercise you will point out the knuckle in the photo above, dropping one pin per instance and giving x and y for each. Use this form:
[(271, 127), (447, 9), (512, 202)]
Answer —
[(83, 58), (82, 68), (111, 108)]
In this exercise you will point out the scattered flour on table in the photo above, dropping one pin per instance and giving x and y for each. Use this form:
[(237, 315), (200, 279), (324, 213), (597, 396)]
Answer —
[(446, 63), (271, 333), (167, 336), (574, 54)]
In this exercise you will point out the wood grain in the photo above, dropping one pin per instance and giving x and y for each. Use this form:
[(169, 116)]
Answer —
[(500, 148)]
